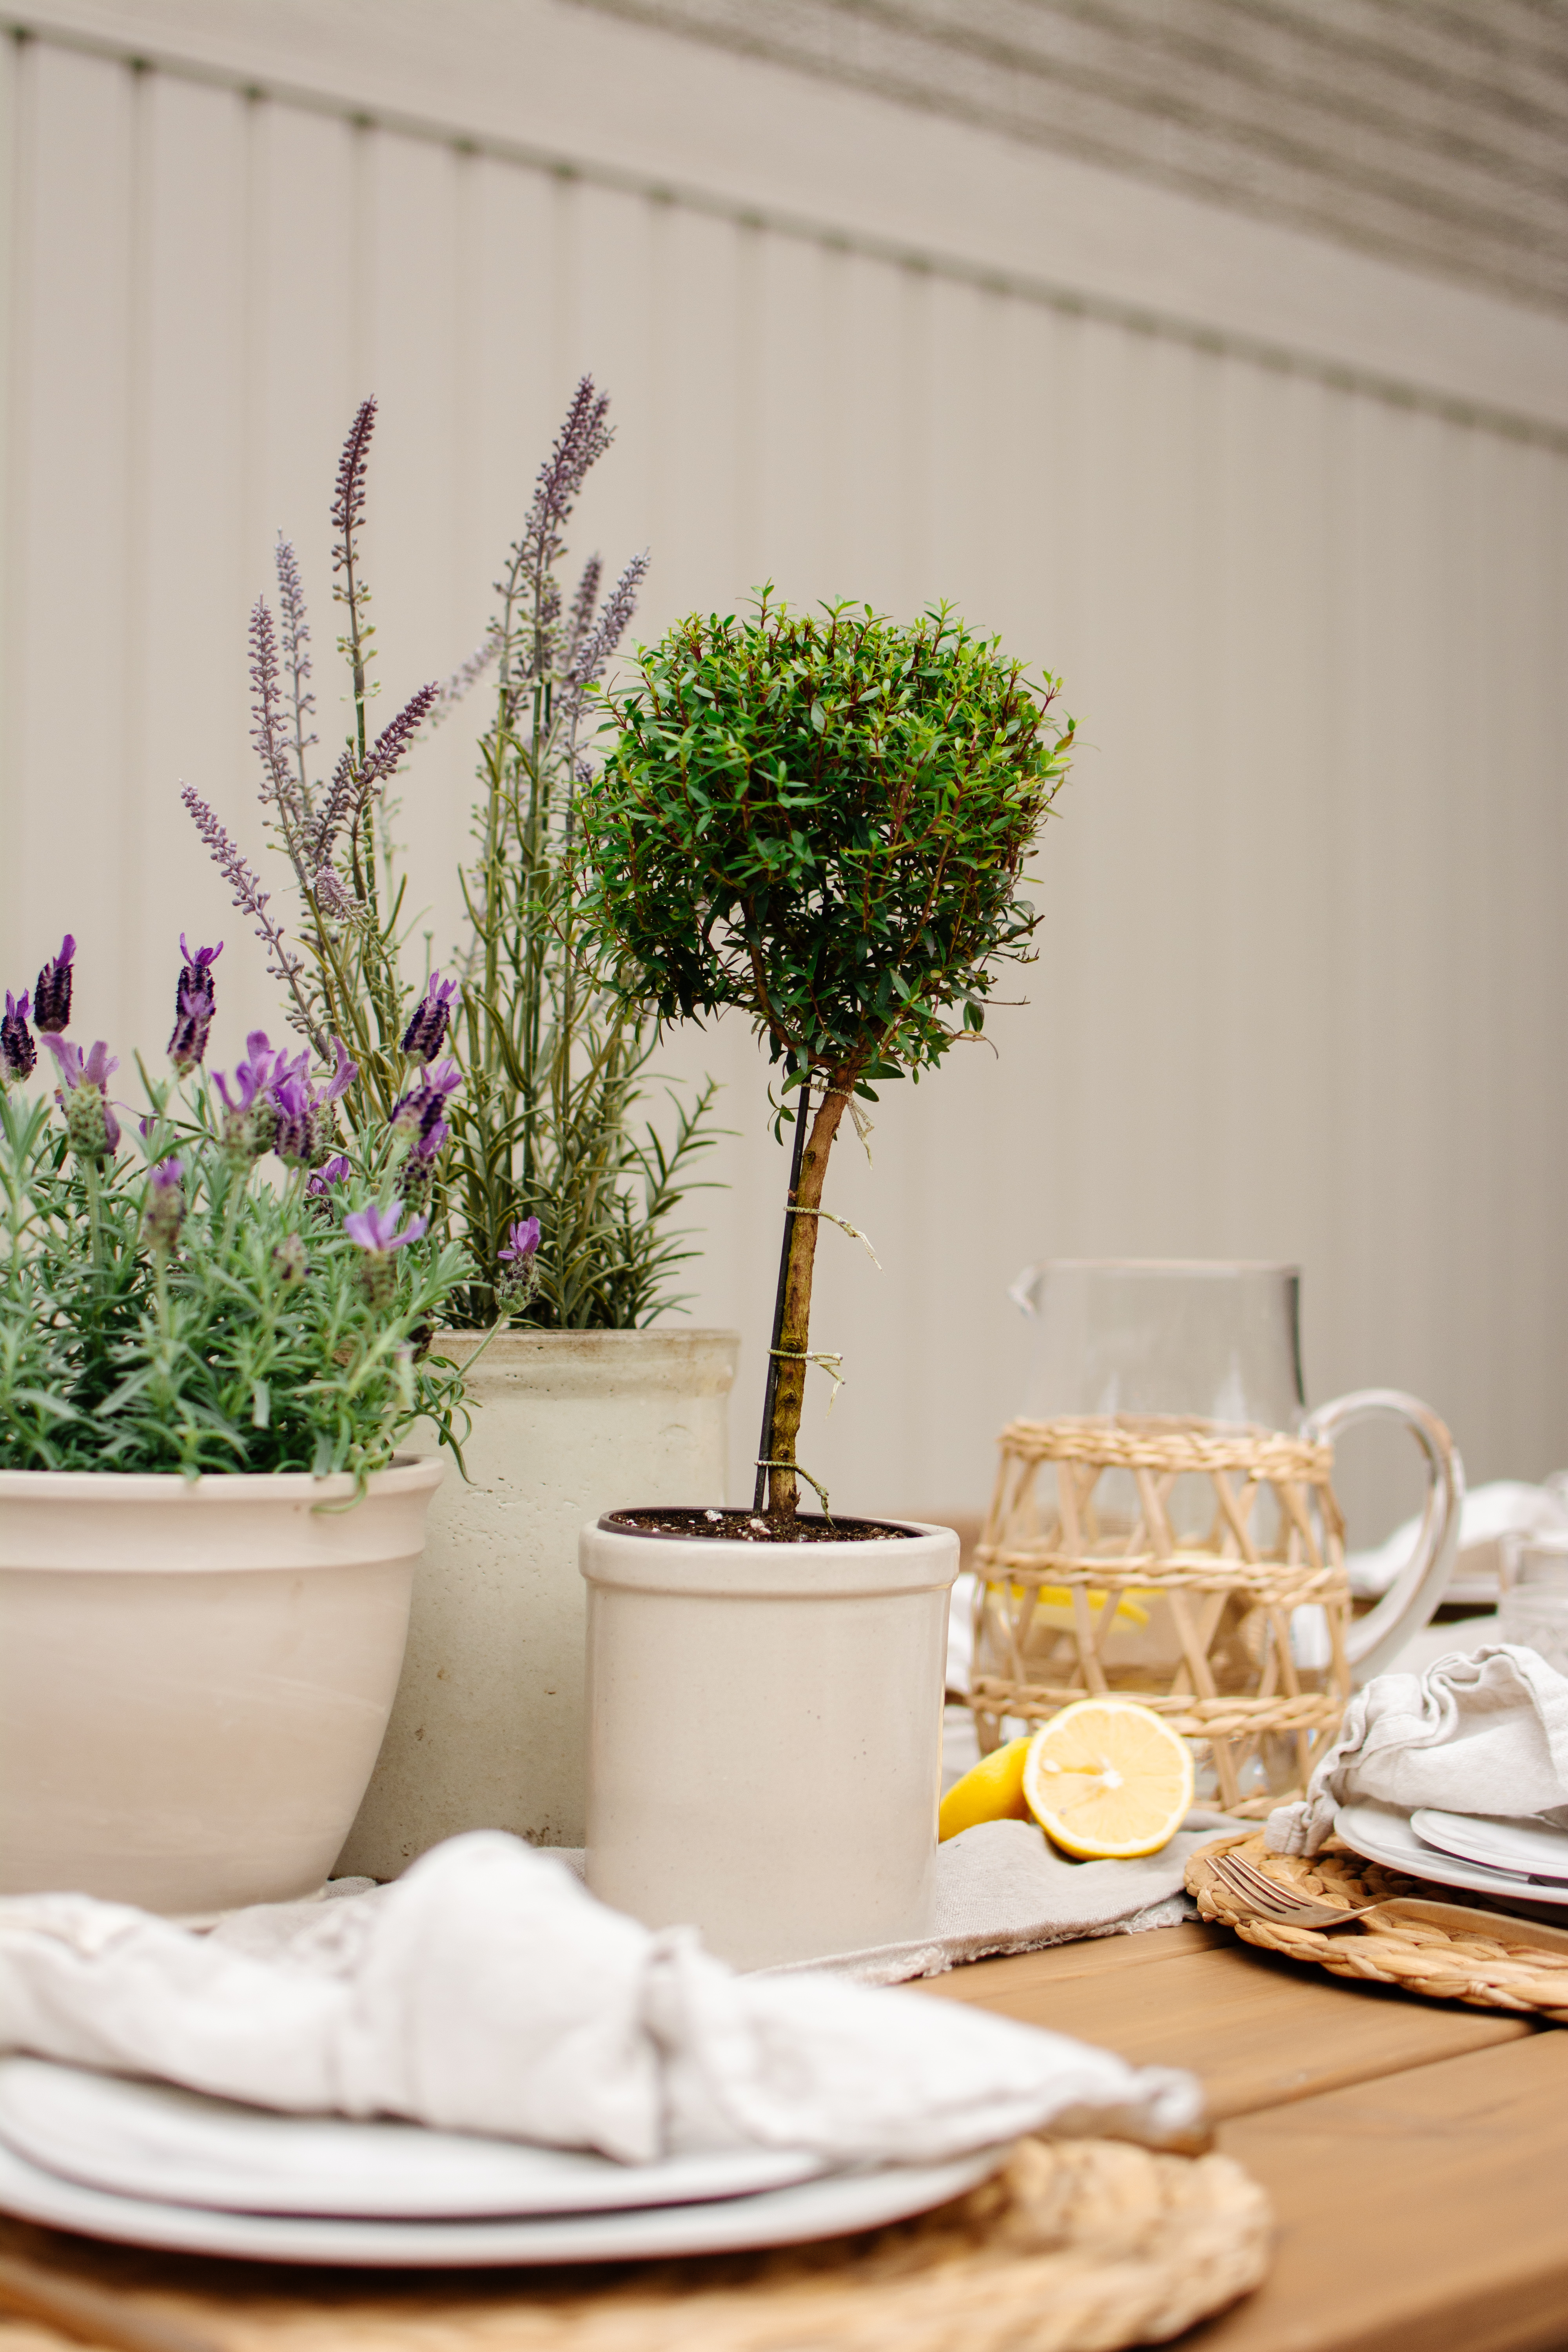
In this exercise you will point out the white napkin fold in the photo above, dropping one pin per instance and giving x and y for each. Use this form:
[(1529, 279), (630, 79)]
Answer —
[(486, 1991), (1484, 1734), (1001, 1887)]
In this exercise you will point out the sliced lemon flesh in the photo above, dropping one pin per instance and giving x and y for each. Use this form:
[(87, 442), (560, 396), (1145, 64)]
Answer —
[(1106, 1779), (990, 1791)]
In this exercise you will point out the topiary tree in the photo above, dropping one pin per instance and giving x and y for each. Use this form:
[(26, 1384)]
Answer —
[(820, 820)]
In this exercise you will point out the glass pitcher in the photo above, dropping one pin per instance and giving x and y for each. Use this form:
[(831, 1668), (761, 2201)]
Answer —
[(1166, 1360)]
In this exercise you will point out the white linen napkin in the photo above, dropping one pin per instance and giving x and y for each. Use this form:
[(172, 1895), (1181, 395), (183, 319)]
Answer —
[(1484, 1734), (486, 1991), (1001, 1887)]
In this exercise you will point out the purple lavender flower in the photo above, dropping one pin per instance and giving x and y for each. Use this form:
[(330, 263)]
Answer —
[(522, 1240), (90, 1124), (196, 972), (348, 506), (426, 1032), (375, 1230), (165, 1210), (596, 648), (517, 1278), (278, 1107), (19, 1054), (583, 607), (52, 991), (269, 733), (334, 1172), (264, 1066), (296, 657), (332, 897), (341, 1079), (195, 1001), (251, 898), (423, 1108), (581, 442), (251, 1112), (292, 1107), (354, 787)]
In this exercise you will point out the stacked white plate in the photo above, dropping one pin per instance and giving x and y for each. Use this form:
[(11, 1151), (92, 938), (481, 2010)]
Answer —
[(152, 2166), (1525, 1860)]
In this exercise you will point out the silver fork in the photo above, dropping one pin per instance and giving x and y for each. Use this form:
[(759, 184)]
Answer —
[(1285, 1909)]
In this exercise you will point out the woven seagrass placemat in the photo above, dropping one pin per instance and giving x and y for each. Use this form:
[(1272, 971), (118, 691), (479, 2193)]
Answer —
[(1444, 1964), (1076, 2246)]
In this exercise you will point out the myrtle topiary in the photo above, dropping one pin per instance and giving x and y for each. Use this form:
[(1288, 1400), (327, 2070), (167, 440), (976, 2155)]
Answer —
[(820, 819)]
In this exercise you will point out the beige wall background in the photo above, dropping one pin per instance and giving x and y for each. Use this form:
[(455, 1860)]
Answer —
[(1290, 521)]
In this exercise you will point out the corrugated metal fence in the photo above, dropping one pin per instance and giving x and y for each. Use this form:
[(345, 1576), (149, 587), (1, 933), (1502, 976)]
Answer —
[(1303, 972)]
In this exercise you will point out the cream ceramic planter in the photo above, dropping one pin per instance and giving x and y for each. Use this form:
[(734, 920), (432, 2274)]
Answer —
[(486, 1731), (195, 1678), (765, 1735)]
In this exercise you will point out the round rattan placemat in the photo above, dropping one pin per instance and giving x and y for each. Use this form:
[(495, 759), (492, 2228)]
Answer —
[(1443, 1964), (1076, 2246)]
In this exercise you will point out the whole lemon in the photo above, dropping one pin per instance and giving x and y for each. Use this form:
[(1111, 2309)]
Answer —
[(992, 1791)]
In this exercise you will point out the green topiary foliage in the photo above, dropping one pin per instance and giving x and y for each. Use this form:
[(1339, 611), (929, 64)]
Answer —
[(821, 819)]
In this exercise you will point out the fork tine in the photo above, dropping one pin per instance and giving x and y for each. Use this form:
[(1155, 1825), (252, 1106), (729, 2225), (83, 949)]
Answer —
[(1266, 1895), (1242, 1875)]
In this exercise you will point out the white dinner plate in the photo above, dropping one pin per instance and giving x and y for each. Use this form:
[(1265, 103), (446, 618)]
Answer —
[(826, 2207), (179, 2147), (1383, 1834), (1523, 1848)]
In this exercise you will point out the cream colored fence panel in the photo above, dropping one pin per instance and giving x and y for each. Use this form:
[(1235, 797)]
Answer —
[(1303, 965)]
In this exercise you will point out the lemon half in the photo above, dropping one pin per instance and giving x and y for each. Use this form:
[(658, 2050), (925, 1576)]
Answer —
[(1106, 1779)]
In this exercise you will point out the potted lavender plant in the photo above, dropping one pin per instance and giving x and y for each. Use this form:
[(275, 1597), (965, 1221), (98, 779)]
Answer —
[(207, 1534), (519, 1074), (820, 822)]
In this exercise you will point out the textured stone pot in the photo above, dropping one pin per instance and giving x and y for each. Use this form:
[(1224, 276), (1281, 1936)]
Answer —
[(487, 1728), (765, 1735), (194, 1677)]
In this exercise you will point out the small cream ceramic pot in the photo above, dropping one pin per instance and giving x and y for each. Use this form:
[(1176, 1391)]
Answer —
[(765, 1735), (194, 1677)]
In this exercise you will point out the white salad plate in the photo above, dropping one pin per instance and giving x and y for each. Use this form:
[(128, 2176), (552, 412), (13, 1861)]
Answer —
[(151, 2140), (825, 2208), (1382, 1833), (1527, 1848)]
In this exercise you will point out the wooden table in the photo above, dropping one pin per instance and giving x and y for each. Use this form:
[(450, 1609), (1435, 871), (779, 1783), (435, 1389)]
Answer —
[(1416, 2152)]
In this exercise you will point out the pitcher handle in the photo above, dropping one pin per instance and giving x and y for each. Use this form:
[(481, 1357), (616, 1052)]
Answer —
[(1418, 1588)]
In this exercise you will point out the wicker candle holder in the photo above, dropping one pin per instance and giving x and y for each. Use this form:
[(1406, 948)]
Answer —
[(1084, 1586)]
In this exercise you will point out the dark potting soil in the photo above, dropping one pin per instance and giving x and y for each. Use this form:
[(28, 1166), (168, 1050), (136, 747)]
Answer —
[(750, 1527)]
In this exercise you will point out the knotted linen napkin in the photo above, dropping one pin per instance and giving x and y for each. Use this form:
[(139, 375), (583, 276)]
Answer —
[(1484, 1734), (486, 1991)]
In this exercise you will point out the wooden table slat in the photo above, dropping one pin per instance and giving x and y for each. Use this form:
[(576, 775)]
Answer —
[(1427, 2212), (1259, 2031)]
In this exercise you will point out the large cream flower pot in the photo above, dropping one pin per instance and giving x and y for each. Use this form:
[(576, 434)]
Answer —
[(194, 1677), (765, 1735), (486, 1731)]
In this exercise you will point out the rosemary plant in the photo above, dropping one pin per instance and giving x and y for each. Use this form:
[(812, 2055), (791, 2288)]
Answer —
[(529, 1146)]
